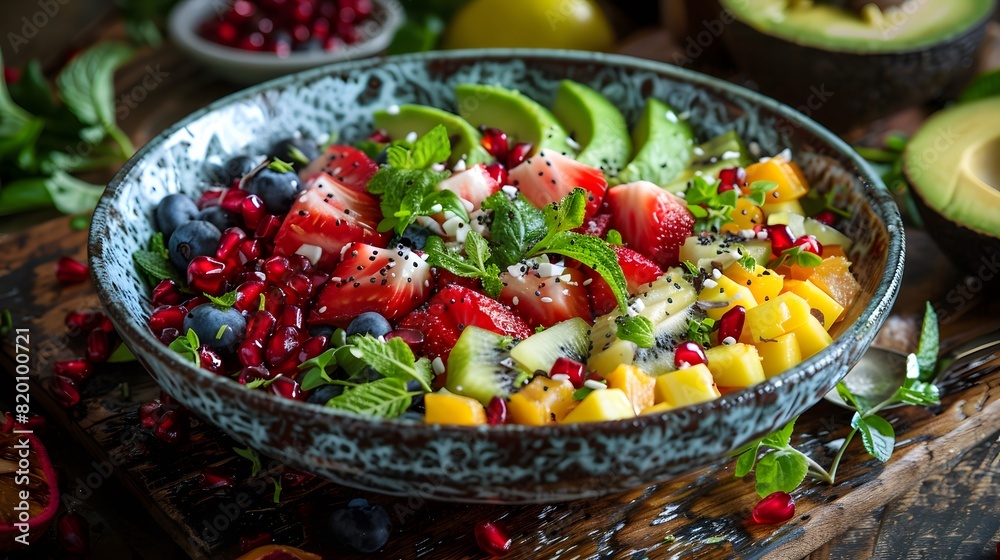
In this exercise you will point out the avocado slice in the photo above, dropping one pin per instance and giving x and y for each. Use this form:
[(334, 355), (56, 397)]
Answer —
[(951, 164), (465, 139), (596, 125), (708, 159), (663, 144), (519, 117)]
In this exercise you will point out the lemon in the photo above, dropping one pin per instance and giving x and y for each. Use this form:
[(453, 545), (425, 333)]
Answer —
[(555, 24)]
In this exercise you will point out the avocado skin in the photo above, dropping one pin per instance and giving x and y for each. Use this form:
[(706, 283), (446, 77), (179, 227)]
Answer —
[(967, 249), (844, 89)]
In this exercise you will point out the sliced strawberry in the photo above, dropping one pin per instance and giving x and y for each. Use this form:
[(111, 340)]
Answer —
[(474, 184), (392, 282), (596, 226), (456, 307), (446, 277), (547, 300), (549, 176), (651, 220), (329, 215), (349, 166), (639, 272)]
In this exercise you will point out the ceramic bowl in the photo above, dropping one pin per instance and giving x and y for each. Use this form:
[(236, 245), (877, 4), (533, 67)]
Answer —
[(497, 464), (248, 67)]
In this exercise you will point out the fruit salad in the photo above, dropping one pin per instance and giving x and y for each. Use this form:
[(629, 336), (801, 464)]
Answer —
[(508, 263)]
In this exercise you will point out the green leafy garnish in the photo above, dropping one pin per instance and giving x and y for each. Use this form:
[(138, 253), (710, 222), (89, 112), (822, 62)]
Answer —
[(699, 331), (6, 322), (277, 490), (613, 237), (927, 349), (984, 85), (759, 190), (746, 261), (260, 382), (297, 155), (474, 264), (281, 166), (393, 359), (225, 301), (516, 226), (250, 455), (187, 347), (121, 354), (433, 147), (710, 208), (407, 194), (382, 398), (581, 393), (797, 255), (154, 264), (637, 329), (316, 370), (815, 202)]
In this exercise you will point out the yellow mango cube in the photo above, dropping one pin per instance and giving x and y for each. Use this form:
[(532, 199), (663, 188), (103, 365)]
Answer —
[(763, 283), (638, 386), (541, 402), (774, 318), (448, 408), (791, 206), (817, 299), (780, 355), (735, 365), (812, 337), (601, 405), (726, 290), (791, 182), (656, 409), (685, 387), (834, 277)]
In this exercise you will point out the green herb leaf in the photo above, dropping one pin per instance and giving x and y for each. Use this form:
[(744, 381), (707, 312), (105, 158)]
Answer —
[(747, 459), (759, 190), (250, 455), (297, 155), (781, 438), (856, 401), (746, 261), (393, 359), (710, 208), (473, 265), (915, 391), (121, 354), (225, 301), (6, 322), (86, 86), (929, 346), (281, 166), (382, 398), (613, 237), (581, 393), (371, 149), (407, 194), (433, 147), (637, 329), (277, 490), (155, 267), (700, 331), (516, 227), (187, 347), (315, 369), (261, 382), (780, 471), (876, 434), (71, 195), (593, 253)]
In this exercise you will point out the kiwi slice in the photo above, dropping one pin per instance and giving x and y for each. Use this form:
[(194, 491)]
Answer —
[(480, 367), (704, 250), (567, 339), (659, 358)]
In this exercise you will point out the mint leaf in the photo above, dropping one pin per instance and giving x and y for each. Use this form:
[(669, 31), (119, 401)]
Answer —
[(393, 359), (710, 208), (637, 329), (154, 267), (281, 166), (158, 245), (780, 471), (565, 215), (225, 301), (71, 195), (296, 155), (398, 157), (517, 225), (433, 147), (406, 194), (759, 190), (593, 253), (277, 490), (86, 86), (120, 355), (915, 391), (928, 348), (746, 261), (315, 369), (613, 237), (856, 401), (781, 438), (581, 393), (700, 331), (382, 398), (187, 347), (747, 459), (474, 265), (250, 455), (877, 435), (261, 382)]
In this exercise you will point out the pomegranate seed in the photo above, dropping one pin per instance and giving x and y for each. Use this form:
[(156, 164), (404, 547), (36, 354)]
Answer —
[(252, 42), (167, 317), (252, 209), (380, 135), (731, 323), (518, 154), (79, 323), (809, 244), (781, 238), (299, 264), (731, 178), (79, 370), (312, 347), (74, 533), (168, 335), (150, 412), (211, 197), (71, 271), (274, 300), (65, 391), (294, 477), (319, 279), (292, 316), (210, 361), (251, 351), (495, 142), (251, 542), (215, 479), (208, 275), (496, 411), (232, 200), (573, 369), (283, 342), (248, 295), (492, 538), (268, 227), (689, 353), (229, 243), (249, 250), (242, 10), (412, 337), (301, 285), (287, 387), (253, 373), (98, 346), (775, 508), (167, 292), (276, 269), (498, 172), (826, 218), (172, 427), (250, 276)]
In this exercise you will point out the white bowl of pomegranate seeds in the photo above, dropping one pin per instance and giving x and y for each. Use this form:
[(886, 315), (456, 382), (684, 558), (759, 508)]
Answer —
[(250, 41)]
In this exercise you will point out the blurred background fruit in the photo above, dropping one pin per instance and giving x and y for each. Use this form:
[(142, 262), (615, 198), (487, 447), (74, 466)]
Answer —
[(557, 24)]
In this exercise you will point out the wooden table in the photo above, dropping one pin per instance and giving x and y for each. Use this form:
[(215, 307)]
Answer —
[(937, 497)]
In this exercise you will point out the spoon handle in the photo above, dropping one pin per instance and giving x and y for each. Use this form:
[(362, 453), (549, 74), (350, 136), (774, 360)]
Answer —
[(965, 352)]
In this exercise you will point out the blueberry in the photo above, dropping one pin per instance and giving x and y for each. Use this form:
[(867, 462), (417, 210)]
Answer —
[(323, 393), (174, 211), (322, 330), (237, 167), (293, 150), (278, 190), (215, 168), (383, 156), (218, 217), (361, 526), (193, 239), (414, 237), (312, 45), (219, 329), (369, 323)]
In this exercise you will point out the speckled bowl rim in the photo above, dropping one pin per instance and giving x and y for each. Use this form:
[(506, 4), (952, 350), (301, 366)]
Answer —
[(870, 318)]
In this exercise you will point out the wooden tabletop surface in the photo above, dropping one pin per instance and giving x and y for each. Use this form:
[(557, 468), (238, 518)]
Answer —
[(952, 513)]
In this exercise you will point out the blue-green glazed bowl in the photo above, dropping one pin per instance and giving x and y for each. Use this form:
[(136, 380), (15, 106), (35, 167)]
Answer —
[(497, 464)]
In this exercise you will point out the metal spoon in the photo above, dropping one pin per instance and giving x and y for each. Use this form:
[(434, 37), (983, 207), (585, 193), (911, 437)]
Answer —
[(882, 370)]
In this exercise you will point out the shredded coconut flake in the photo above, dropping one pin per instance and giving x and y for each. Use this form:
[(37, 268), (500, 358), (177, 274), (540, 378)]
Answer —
[(559, 377), (572, 143), (546, 299), (460, 166), (437, 365), (392, 109), (509, 190), (411, 137), (594, 384), (729, 341), (709, 283)]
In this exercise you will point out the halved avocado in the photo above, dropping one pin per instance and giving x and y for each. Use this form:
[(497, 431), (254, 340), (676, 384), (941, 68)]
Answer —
[(465, 139), (843, 68), (663, 145), (596, 125), (519, 117), (953, 165)]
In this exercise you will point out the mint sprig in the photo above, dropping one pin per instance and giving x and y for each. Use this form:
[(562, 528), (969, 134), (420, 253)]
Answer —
[(225, 301), (393, 359), (187, 347), (517, 225), (433, 147), (637, 329), (710, 208), (382, 398), (797, 255), (476, 263), (699, 331), (154, 264), (250, 455), (759, 190), (406, 194)]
